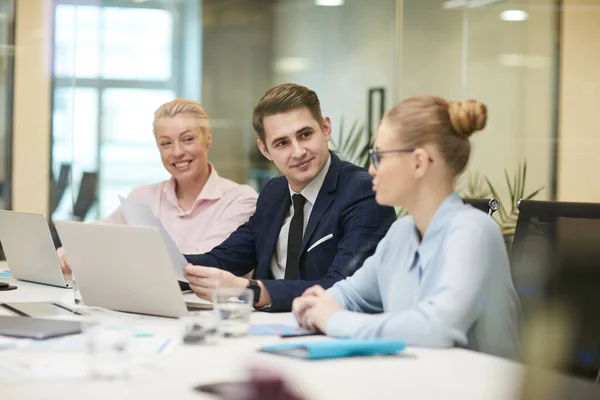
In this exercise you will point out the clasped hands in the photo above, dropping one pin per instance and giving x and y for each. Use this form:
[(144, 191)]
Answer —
[(314, 309)]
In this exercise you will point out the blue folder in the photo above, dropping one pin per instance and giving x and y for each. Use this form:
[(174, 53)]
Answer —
[(316, 350)]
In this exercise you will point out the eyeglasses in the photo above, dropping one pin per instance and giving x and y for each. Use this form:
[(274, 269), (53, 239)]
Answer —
[(375, 155)]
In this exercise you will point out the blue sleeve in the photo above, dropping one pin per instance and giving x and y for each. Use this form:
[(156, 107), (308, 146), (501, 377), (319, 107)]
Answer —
[(364, 224), (442, 319), (236, 254), (360, 292)]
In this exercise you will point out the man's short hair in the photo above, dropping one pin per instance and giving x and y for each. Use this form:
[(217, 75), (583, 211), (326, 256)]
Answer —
[(283, 98)]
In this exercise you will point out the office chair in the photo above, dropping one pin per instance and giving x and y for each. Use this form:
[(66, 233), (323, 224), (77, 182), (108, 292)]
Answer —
[(58, 187), (488, 206), (555, 258), (88, 193)]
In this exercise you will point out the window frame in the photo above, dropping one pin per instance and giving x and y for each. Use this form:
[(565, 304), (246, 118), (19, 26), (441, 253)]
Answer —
[(102, 84)]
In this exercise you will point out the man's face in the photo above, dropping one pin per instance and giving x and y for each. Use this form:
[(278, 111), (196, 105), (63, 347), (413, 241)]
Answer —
[(297, 144)]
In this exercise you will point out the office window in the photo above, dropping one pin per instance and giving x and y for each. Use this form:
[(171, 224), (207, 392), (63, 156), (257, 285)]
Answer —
[(113, 67)]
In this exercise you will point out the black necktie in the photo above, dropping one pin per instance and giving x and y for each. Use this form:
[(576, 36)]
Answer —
[(295, 238)]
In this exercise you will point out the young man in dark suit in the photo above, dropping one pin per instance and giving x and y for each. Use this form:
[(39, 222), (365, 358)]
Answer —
[(314, 225)]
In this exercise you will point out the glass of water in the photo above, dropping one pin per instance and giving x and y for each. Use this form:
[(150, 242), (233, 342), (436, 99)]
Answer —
[(107, 343), (199, 327), (77, 299), (232, 308)]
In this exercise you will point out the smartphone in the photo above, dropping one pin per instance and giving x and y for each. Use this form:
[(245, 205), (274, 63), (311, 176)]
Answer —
[(4, 286), (233, 389)]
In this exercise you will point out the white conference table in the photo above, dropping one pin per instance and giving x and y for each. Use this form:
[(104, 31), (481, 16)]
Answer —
[(414, 374)]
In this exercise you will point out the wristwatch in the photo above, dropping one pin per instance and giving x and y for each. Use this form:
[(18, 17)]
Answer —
[(255, 287)]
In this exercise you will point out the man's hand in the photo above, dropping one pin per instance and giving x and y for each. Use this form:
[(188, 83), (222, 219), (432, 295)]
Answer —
[(314, 308), (64, 262), (204, 279)]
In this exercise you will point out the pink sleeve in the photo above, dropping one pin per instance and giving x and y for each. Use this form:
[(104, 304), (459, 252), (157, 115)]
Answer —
[(116, 217)]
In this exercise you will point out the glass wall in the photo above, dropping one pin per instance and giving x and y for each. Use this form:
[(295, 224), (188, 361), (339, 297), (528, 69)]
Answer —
[(346, 53), (579, 140), (504, 54), (116, 61)]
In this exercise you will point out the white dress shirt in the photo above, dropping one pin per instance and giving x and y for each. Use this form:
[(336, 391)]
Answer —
[(310, 193)]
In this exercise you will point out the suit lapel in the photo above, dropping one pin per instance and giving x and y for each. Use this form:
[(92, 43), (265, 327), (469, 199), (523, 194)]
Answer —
[(274, 217), (324, 200)]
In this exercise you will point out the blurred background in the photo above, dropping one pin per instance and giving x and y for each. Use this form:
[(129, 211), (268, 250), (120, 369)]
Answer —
[(81, 79)]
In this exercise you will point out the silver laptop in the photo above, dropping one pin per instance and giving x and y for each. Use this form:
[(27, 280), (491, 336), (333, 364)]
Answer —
[(29, 248), (124, 268)]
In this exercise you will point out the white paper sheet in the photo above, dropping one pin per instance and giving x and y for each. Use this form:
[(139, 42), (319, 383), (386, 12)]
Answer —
[(137, 346), (141, 214), (6, 342)]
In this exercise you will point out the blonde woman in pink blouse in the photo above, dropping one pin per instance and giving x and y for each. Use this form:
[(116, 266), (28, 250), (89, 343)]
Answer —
[(197, 207)]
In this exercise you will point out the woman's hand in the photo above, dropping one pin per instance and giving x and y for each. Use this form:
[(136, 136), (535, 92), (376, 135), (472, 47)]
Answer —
[(314, 308), (64, 261)]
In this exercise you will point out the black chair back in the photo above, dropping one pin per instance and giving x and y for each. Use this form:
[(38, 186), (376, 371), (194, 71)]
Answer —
[(58, 187), (88, 194), (555, 258)]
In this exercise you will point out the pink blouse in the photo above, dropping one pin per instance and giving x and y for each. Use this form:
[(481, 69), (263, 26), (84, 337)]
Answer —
[(220, 208)]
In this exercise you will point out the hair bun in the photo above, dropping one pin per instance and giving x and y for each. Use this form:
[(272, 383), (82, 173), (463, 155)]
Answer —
[(467, 117)]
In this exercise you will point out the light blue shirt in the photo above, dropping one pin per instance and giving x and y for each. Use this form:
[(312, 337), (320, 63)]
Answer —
[(452, 288)]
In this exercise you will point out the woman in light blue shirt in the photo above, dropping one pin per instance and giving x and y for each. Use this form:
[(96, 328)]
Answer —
[(440, 277)]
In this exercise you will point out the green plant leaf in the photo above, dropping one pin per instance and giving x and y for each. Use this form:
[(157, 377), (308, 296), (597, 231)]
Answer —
[(516, 189), (535, 193), (521, 173), (349, 146), (341, 136), (508, 184), (355, 147), (523, 176)]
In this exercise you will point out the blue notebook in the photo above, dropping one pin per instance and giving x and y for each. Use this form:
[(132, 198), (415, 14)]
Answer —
[(283, 330), (316, 350)]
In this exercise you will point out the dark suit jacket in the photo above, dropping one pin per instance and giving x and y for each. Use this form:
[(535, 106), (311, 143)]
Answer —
[(345, 207)]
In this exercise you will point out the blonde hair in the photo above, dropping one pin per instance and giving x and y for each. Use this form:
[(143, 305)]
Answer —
[(182, 106), (447, 124), (283, 98)]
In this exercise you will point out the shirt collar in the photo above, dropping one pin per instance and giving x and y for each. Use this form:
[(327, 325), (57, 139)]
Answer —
[(311, 191), (429, 245), (212, 189)]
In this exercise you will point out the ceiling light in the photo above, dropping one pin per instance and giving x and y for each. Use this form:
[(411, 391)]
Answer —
[(290, 65), (514, 15), (449, 4), (329, 3)]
